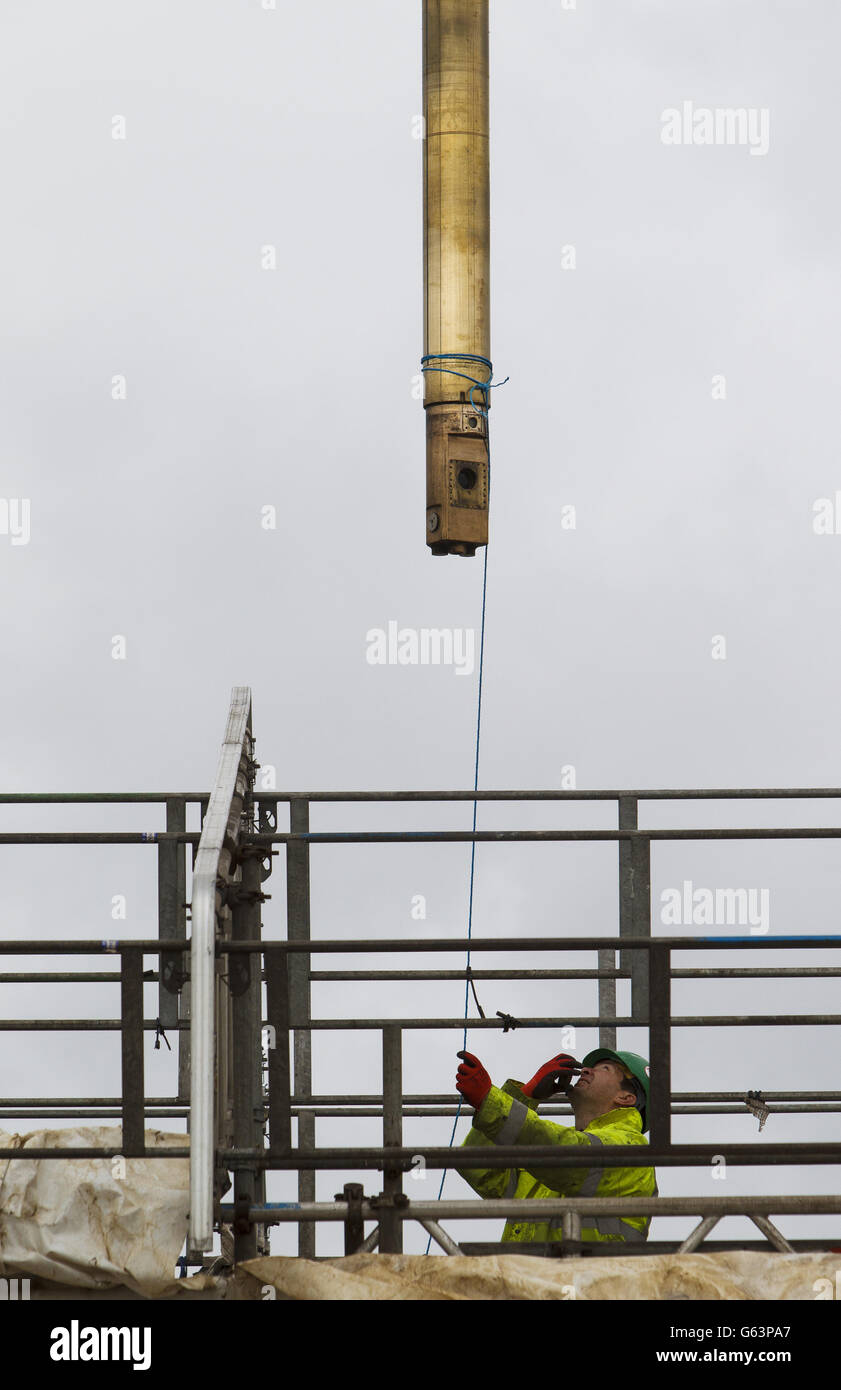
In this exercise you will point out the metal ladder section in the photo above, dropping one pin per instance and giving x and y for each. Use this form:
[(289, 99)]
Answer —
[(226, 1089)]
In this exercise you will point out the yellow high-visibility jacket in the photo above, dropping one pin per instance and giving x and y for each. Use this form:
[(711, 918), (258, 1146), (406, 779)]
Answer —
[(508, 1117)]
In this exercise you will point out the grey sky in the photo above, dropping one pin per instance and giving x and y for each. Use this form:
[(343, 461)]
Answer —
[(294, 388)]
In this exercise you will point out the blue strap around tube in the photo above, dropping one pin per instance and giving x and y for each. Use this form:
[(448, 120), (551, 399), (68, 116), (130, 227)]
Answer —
[(488, 385)]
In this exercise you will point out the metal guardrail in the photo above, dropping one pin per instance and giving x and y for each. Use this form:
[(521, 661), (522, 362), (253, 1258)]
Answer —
[(394, 1160), (219, 1042), (659, 1021)]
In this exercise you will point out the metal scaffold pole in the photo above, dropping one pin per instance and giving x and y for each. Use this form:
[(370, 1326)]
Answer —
[(298, 928)]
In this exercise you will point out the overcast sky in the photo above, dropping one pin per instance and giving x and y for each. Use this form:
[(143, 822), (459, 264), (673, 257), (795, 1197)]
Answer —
[(678, 388)]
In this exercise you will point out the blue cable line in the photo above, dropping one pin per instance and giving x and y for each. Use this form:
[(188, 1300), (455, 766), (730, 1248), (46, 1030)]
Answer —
[(476, 778), (472, 855), (475, 768)]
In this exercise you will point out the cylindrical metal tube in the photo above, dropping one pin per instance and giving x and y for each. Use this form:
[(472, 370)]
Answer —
[(456, 192), (247, 1054), (456, 197), (467, 1208), (300, 999), (391, 1231), (446, 1242)]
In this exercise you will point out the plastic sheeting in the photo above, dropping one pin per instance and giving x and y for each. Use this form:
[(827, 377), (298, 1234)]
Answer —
[(99, 1224), (93, 1223), (740, 1275)]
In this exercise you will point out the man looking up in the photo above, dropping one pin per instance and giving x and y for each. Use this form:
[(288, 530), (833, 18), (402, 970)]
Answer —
[(609, 1102)]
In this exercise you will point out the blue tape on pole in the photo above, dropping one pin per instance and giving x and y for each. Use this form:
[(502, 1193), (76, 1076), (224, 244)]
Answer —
[(227, 1209), (489, 385), (790, 940)]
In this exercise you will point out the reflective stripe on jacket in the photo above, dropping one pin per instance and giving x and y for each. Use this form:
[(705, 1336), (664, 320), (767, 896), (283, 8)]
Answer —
[(507, 1117)]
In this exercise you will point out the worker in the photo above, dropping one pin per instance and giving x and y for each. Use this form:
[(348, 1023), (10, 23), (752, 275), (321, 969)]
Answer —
[(609, 1103)]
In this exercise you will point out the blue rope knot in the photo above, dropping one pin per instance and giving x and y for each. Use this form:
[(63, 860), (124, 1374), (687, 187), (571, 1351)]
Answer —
[(488, 385)]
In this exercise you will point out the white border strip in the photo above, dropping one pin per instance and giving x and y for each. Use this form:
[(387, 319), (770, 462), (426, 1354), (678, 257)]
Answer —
[(219, 834)]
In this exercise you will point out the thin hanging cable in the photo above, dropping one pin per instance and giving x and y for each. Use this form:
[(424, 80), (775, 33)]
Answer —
[(469, 983), (476, 786)]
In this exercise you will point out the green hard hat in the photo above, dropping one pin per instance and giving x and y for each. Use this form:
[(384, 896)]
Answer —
[(636, 1065)]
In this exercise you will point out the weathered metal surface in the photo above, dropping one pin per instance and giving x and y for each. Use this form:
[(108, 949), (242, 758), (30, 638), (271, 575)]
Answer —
[(246, 1008), (456, 257), (280, 1088), (172, 911), (468, 1208), (391, 1231), (131, 993), (298, 930)]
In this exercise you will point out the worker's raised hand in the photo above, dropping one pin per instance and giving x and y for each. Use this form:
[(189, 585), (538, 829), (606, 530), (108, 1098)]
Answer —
[(554, 1077), (472, 1080)]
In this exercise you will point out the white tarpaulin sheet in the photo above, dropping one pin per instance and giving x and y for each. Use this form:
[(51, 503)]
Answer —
[(93, 1223), (97, 1224), (739, 1275)]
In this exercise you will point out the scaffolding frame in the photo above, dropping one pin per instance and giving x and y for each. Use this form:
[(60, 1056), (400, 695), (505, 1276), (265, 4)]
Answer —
[(216, 1010)]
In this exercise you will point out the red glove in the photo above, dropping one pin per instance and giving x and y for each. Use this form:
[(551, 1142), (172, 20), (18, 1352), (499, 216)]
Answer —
[(553, 1078), (472, 1080)]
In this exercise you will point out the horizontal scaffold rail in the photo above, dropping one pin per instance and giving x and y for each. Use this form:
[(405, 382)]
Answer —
[(446, 943), (506, 794), (539, 1156), (397, 837), (541, 1209), (343, 1025)]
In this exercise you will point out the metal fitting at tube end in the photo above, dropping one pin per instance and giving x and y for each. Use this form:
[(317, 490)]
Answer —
[(457, 480)]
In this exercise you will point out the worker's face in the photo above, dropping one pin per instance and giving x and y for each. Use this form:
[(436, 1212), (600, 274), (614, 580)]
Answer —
[(602, 1084)]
